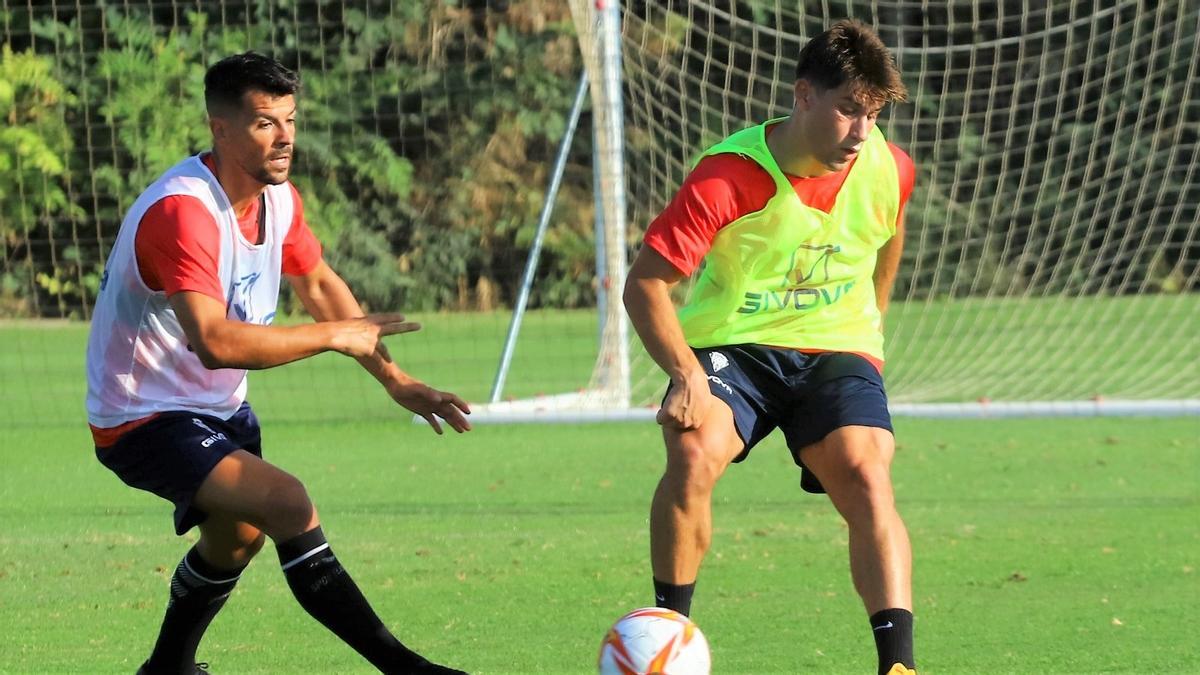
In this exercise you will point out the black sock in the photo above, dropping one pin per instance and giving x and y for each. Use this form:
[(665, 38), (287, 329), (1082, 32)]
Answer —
[(671, 596), (327, 592), (198, 591), (893, 630)]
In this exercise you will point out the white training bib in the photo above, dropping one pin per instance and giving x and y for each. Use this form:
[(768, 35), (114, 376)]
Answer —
[(138, 361)]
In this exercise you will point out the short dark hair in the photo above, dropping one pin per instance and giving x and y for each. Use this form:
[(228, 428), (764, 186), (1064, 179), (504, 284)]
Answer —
[(851, 52), (230, 78)]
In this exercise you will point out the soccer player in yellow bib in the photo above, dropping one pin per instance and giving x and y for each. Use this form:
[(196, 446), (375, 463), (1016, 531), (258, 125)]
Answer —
[(798, 224)]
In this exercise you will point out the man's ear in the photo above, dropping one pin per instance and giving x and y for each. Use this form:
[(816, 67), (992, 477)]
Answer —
[(218, 127), (804, 92)]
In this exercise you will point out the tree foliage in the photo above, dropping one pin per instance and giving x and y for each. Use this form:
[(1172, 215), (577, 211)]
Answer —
[(33, 195), (428, 128), (425, 134)]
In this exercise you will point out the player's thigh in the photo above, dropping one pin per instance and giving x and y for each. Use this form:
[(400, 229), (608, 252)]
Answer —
[(844, 413), (742, 379), (848, 448), (172, 454), (853, 464), (703, 453), (244, 487)]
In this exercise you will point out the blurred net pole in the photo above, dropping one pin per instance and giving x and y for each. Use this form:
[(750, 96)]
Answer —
[(602, 295), (531, 263), (599, 25)]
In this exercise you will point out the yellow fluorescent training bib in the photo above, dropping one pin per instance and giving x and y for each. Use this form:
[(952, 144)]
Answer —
[(793, 276)]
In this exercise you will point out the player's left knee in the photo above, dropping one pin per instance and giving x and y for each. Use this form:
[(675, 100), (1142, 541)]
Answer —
[(877, 445), (859, 475), (251, 548), (874, 480)]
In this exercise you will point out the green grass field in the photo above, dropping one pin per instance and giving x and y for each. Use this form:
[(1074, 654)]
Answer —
[(1041, 546)]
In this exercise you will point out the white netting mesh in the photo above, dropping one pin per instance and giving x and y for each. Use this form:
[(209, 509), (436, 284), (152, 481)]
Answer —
[(1053, 233)]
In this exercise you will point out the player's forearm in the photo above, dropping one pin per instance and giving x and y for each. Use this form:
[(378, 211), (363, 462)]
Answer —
[(330, 299), (648, 303), (883, 290), (887, 263), (234, 344)]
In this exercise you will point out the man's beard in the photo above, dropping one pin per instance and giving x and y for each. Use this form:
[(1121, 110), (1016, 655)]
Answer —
[(268, 177)]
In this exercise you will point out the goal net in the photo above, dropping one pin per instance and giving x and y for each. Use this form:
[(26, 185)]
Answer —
[(1053, 235), (1053, 241)]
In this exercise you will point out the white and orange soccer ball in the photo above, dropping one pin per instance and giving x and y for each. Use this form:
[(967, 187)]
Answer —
[(654, 641)]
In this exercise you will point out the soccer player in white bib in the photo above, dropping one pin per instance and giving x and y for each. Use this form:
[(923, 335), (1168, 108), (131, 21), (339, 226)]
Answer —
[(185, 308)]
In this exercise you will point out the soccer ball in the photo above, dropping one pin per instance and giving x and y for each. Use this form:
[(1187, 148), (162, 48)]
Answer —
[(654, 641)]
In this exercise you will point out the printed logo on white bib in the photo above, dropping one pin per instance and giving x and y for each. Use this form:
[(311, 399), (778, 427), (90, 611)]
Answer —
[(719, 360), (243, 301)]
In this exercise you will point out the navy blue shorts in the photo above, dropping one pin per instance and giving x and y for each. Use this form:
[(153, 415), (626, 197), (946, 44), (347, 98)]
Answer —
[(806, 395), (173, 453)]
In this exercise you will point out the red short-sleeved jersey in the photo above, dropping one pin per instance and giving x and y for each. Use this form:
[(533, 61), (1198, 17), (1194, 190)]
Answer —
[(177, 244)]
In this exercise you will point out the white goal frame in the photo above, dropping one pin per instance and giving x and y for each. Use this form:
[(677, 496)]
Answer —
[(608, 395)]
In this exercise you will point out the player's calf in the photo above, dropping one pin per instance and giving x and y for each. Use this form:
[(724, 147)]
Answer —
[(325, 590), (198, 591)]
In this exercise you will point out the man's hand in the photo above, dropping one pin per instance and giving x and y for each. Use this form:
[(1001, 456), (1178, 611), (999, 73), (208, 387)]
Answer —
[(329, 300), (688, 402), (361, 337), (432, 404)]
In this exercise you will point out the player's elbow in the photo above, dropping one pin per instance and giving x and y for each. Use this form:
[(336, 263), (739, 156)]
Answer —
[(635, 293), (642, 292), (211, 351), (209, 358)]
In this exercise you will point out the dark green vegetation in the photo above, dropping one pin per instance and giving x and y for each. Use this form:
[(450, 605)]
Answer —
[(425, 137), (1044, 165)]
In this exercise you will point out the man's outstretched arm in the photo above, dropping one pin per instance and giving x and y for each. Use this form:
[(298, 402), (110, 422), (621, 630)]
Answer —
[(222, 343), (328, 299)]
